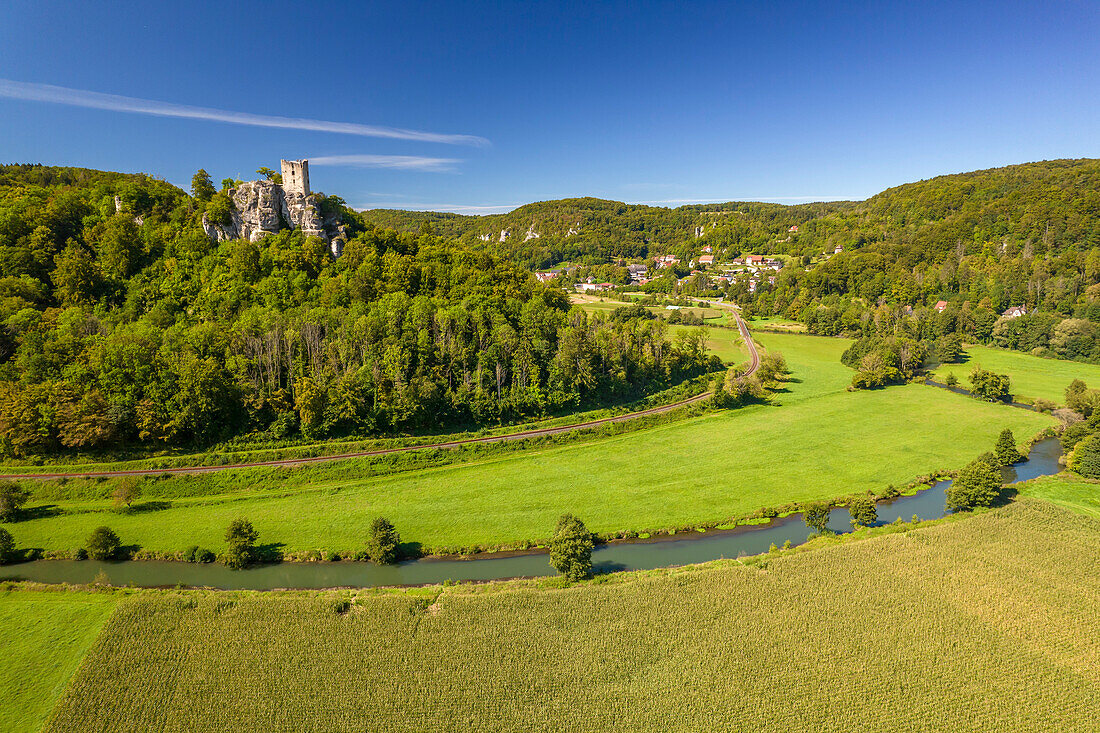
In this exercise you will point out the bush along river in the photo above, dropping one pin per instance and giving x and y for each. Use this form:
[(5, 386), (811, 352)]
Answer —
[(682, 549)]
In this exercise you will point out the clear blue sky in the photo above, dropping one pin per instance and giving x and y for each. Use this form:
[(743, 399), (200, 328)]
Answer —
[(634, 101)]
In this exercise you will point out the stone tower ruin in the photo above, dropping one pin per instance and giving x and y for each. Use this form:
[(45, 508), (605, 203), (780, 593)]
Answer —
[(295, 176)]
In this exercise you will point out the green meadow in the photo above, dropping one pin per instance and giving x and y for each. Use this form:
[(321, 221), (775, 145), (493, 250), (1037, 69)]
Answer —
[(815, 441), (725, 343), (1033, 377), (43, 638), (1067, 490)]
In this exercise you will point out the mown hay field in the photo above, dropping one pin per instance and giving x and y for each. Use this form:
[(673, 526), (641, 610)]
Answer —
[(817, 442), (988, 623), (1033, 377), (43, 638)]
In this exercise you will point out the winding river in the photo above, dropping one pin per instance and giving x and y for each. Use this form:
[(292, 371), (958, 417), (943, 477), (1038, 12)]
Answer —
[(682, 549)]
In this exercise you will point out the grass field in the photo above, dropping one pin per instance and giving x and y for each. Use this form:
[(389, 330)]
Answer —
[(1032, 376), (822, 442), (723, 342), (777, 322), (1067, 490), (987, 623), (43, 637)]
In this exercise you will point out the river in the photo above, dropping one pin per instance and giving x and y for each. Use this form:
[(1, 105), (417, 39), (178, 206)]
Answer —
[(681, 549)]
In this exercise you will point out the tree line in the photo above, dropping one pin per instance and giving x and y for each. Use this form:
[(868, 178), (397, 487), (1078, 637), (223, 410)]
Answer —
[(124, 325)]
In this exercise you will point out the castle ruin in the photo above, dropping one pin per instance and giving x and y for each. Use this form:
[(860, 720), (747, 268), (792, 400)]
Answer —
[(295, 176), (264, 207)]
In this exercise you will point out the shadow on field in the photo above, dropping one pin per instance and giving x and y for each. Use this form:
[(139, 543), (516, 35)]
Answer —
[(146, 506), (410, 550), (270, 552), (40, 512)]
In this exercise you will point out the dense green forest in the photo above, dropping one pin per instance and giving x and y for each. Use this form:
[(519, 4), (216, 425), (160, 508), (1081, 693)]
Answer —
[(124, 324), (593, 231), (1025, 235)]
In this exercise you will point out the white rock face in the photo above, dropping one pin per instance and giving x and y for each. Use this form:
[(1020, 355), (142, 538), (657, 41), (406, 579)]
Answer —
[(263, 207), (504, 234), (484, 237), (699, 231), (531, 234)]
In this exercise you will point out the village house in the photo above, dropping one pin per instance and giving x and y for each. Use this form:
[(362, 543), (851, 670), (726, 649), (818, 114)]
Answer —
[(940, 306), (637, 272), (793, 229), (593, 287), (1015, 311), (545, 277), (706, 260), (839, 249)]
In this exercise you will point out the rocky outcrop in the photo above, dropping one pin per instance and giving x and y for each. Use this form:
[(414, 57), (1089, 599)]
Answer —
[(263, 207)]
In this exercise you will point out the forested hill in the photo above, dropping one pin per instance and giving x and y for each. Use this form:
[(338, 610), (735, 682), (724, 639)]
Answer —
[(591, 231), (1046, 207), (123, 324)]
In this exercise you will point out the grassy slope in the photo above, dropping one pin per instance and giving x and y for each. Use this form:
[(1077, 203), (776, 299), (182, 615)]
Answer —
[(985, 624), (823, 442), (1067, 490), (43, 638), (723, 342), (1032, 376)]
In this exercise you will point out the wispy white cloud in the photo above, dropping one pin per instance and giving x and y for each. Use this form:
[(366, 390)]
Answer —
[(114, 102), (401, 162), (449, 208)]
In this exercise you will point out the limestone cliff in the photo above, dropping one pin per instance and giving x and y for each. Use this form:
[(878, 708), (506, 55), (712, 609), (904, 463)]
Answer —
[(264, 207)]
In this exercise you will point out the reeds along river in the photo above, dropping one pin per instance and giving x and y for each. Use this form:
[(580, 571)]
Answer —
[(636, 555)]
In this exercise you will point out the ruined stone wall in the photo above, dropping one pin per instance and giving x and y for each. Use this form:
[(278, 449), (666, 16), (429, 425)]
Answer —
[(295, 176), (264, 207)]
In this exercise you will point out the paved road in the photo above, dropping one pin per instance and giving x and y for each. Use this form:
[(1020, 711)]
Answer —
[(754, 364)]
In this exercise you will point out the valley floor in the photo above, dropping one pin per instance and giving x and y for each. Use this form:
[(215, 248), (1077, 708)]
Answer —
[(973, 624), (817, 441)]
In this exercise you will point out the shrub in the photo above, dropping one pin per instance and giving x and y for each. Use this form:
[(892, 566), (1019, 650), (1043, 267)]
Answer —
[(189, 553), (863, 510), (816, 516), (203, 555), (7, 546), (127, 491), (1005, 452), (383, 542), (1073, 435), (12, 498), (103, 544), (571, 548), (990, 386), (951, 379), (241, 538), (979, 484), (1086, 458)]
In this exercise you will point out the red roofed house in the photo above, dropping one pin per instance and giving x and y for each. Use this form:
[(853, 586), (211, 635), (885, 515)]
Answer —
[(793, 228), (706, 260), (940, 306)]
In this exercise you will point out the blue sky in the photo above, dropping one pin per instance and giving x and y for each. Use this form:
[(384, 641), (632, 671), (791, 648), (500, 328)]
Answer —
[(478, 107)]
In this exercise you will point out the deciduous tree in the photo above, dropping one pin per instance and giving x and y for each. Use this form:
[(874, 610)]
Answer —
[(571, 548)]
